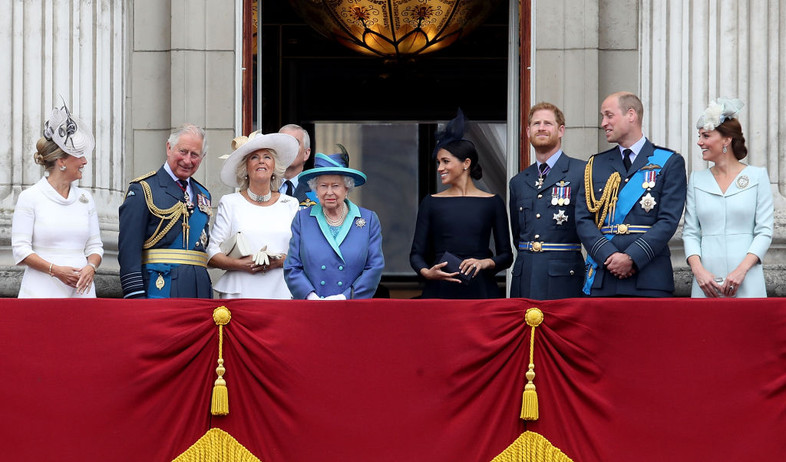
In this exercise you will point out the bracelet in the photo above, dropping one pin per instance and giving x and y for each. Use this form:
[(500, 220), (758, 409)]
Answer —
[(95, 268), (50, 270)]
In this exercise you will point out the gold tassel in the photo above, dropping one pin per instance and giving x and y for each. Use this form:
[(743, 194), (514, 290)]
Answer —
[(219, 404), (529, 400)]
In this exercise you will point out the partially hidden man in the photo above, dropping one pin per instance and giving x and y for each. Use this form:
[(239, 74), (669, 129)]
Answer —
[(543, 198), (631, 203), (164, 225)]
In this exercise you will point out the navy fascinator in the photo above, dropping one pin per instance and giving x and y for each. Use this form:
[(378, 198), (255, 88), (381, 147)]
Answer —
[(453, 131)]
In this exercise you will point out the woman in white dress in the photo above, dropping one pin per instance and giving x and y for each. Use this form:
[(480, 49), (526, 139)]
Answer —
[(729, 211), (257, 218), (54, 231)]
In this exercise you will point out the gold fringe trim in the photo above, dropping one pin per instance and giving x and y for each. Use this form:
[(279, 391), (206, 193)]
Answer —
[(531, 447), (529, 400), (217, 446), (219, 404)]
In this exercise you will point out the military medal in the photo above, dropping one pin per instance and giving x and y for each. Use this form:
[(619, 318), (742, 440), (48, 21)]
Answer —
[(560, 217), (160, 282), (649, 179), (539, 183), (203, 239), (648, 202), (360, 222), (204, 204), (742, 181), (560, 194)]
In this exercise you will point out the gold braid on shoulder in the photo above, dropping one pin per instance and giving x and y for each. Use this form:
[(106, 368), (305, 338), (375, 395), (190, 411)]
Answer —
[(608, 200), (172, 214)]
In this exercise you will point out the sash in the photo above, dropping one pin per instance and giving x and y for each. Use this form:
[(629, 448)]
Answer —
[(160, 282), (626, 199)]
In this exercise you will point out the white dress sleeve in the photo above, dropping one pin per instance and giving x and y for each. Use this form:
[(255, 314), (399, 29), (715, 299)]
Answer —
[(22, 227), (222, 227), (94, 245)]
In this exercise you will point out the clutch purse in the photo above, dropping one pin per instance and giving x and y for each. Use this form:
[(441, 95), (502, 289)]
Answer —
[(453, 267), (236, 246)]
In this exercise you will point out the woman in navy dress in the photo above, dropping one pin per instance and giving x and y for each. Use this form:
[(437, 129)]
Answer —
[(460, 220)]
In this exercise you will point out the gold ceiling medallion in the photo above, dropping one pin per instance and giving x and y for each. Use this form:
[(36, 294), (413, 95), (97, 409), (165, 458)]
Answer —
[(394, 28)]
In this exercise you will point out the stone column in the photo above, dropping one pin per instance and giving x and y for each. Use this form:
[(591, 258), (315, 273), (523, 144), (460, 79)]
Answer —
[(72, 49), (694, 51)]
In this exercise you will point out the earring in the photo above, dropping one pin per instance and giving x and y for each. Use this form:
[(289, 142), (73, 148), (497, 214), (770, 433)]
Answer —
[(465, 169), (63, 168), (725, 150)]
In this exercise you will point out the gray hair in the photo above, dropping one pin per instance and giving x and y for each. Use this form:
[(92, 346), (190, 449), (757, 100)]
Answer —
[(241, 172), (349, 182), (174, 138), (306, 138)]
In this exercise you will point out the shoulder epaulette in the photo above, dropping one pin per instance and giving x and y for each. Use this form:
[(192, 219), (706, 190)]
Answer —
[(146, 175)]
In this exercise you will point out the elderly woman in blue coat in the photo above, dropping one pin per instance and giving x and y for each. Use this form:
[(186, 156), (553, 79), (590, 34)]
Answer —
[(336, 248)]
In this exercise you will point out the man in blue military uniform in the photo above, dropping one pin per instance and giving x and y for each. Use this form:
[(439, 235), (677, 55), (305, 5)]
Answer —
[(630, 205), (164, 225), (543, 198)]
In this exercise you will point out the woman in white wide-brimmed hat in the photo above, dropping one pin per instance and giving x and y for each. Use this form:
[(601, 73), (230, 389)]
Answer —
[(54, 231), (250, 236)]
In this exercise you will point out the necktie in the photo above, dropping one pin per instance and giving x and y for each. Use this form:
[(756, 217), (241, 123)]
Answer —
[(626, 159), (184, 186), (290, 189), (544, 169)]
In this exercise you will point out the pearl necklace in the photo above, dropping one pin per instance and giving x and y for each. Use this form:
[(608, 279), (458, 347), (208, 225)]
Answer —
[(256, 198), (340, 219)]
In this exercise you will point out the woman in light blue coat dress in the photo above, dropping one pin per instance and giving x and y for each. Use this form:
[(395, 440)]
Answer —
[(336, 248), (729, 212)]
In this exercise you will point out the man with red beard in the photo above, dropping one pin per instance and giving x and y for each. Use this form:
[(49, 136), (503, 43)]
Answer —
[(543, 197)]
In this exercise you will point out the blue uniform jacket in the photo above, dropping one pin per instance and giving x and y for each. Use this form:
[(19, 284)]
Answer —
[(650, 251), (533, 217), (137, 224), (351, 264)]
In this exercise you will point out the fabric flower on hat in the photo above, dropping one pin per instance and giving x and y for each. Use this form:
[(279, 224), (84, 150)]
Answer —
[(718, 111)]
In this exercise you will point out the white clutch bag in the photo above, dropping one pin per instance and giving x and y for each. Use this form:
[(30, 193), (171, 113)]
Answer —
[(236, 246)]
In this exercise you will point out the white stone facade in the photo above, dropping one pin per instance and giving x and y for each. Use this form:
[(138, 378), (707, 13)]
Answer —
[(137, 68)]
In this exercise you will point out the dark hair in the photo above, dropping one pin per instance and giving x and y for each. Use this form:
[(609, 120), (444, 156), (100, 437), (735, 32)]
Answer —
[(731, 128), (465, 149)]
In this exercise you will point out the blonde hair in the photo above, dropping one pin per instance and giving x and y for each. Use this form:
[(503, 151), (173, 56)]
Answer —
[(47, 153), (278, 170)]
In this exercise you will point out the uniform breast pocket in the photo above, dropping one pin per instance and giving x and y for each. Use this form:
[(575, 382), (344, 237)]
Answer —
[(523, 210)]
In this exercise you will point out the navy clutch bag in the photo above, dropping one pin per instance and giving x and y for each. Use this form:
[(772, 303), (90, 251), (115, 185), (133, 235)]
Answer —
[(453, 267)]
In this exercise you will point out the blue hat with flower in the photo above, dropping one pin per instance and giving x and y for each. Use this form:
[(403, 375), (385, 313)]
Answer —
[(333, 164)]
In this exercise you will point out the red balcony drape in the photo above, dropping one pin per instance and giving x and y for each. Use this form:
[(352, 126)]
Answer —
[(393, 380)]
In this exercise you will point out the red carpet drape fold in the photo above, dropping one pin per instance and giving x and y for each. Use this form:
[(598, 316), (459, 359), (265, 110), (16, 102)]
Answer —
[(393, 380)]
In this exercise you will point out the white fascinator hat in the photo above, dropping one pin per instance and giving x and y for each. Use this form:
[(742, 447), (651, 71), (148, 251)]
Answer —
[(70, 133)]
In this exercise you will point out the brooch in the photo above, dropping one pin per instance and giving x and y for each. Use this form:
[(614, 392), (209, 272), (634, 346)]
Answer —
[(648, 202), (743, 181), (83, 199), (360, 222)]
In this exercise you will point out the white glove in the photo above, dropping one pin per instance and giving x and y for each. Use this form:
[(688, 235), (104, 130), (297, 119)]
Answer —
[(336, 297), (263, 256), (313, 296)]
